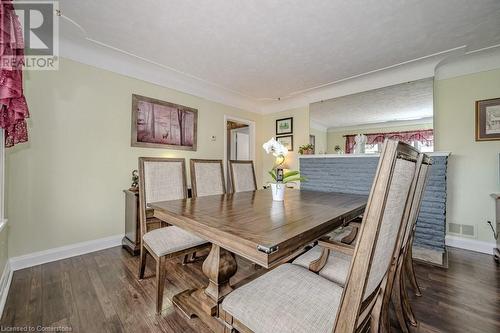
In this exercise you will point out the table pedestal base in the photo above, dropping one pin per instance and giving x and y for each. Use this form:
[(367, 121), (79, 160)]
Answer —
[(219, 267), (195, 303)]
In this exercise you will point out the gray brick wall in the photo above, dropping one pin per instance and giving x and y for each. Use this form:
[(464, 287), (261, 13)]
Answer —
[(355, 175)]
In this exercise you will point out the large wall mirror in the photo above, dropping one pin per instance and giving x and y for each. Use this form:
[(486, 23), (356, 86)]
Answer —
[(403, 112)]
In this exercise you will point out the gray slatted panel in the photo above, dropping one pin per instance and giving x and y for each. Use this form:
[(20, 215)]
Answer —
[(355, 175)]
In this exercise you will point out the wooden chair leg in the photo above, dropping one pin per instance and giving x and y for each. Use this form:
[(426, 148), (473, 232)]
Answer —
[(397, 301), (228, 320), (410, 272), (376, 325), (161, 273), (142, 264), (408, 311)]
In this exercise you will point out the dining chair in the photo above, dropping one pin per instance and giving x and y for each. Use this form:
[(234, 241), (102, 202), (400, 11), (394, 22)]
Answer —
[(242, 176), (162, 179), (291, 298), (207, 177), (334, 265), (399, 297)]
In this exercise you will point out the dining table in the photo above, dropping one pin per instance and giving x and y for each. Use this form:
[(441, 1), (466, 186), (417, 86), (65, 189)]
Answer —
[(253, 226)]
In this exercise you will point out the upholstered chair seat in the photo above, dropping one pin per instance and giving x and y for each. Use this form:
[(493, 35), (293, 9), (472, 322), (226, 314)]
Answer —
[(288, 299), (169, 240), (335, 269)]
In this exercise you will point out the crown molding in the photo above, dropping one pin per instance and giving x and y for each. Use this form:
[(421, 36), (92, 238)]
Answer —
[(102, 56), (387, 124), (449, 63), (469, 63), (412, 70)]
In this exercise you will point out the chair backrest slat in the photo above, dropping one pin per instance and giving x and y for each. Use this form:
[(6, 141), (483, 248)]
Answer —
[(242, 176), (160, 179), (417, 199), (207, 177), (381, 232)]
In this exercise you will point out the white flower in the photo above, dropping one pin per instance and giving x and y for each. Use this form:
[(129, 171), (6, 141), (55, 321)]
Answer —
[(274, 147), (269, 145)]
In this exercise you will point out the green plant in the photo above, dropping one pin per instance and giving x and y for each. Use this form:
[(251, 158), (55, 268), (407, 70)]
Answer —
[(303, 148), (289, 176)]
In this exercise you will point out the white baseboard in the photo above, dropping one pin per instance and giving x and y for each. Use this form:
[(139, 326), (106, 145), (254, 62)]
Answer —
[(5, 285), (63, 252), (470, 244)]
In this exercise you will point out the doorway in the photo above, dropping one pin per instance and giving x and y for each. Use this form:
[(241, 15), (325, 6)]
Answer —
[(239, 142)]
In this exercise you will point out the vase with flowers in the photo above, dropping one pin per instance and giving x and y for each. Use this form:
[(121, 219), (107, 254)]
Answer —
[(277, 173)]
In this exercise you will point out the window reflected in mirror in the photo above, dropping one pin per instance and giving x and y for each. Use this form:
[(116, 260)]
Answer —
[(401, 112)]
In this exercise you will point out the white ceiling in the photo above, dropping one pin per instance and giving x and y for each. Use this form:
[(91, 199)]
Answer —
[(402, 102), (263, 50)]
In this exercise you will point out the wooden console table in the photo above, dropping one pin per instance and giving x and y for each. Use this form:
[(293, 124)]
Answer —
[(132, 240), (496, 251)]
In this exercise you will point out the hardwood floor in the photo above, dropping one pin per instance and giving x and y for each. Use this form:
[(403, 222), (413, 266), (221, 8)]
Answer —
[(100, 292)]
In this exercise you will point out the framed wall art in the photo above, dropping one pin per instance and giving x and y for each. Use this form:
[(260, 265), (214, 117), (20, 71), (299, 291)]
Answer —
[(284, 126), (286, 140), (160, 124), (488, 119)]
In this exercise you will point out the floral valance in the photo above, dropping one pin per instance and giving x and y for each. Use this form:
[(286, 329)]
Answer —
[(425, 137), (13, 107)]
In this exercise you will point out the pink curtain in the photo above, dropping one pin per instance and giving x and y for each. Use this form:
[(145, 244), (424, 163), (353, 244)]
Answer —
[(425, 137), (349, 143), (13, 107)]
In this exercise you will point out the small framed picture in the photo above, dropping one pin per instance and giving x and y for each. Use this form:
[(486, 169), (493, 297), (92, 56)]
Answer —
[(284, 126), (287, 141), (488, 120)]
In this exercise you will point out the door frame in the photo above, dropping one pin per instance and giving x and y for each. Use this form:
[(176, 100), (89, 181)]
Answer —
[(251, 130)]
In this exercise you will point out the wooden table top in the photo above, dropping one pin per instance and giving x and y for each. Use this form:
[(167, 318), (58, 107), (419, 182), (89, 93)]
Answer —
[(254, 226)]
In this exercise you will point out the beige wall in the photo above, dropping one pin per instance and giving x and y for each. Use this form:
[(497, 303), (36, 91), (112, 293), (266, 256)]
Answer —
[(65, 185), (336, 137), (473, 166), (300, 136), (320, 139)]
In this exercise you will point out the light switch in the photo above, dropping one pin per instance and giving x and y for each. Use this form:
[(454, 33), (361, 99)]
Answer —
[(214, 138)]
